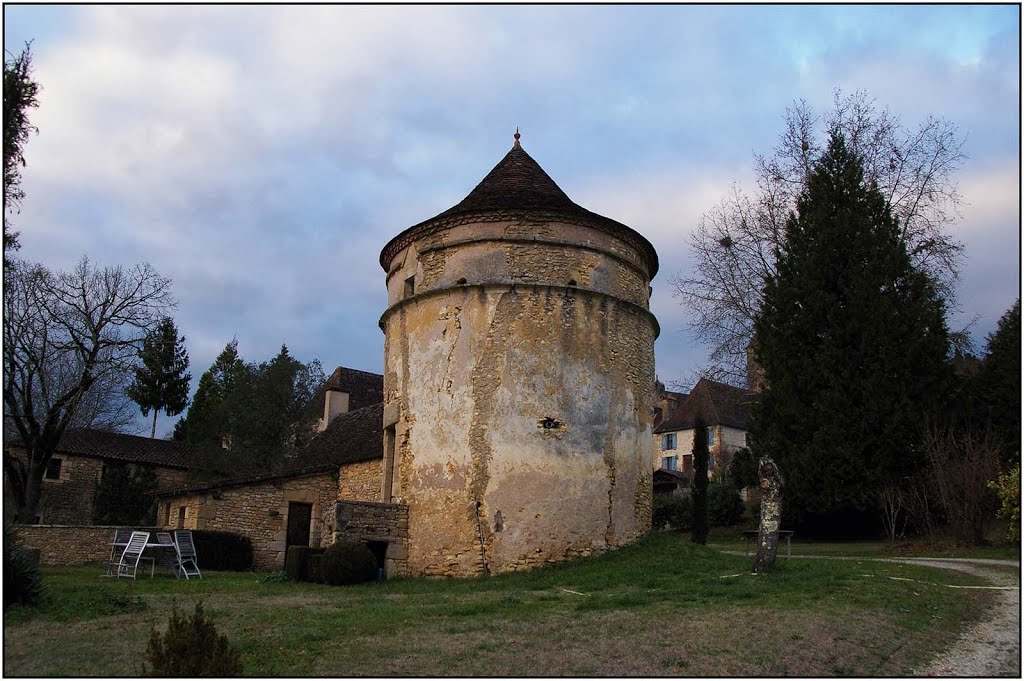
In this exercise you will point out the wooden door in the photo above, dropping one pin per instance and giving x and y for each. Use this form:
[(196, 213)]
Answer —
[(299, 515)]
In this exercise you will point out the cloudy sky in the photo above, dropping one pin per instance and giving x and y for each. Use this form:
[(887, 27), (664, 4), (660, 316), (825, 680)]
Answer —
[(262, 156)]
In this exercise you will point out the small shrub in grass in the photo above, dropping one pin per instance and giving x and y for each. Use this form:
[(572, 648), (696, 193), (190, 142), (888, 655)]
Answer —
[(192, 646), (675, 510), (724, 504), (223, 550), (348, 563), (274, 577), (22, 582)]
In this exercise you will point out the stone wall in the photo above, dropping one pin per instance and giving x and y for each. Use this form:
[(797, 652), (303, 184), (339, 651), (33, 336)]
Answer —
[(258, 511), (360, 481), (71, 544), (519, 376), (356, 521)]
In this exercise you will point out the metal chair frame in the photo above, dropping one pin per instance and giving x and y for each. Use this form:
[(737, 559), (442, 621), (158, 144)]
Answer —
[(186, 551), (121, 536), (132, 555)]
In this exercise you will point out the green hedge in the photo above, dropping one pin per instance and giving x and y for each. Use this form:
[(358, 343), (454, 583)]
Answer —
[(222, 550), (302, 563), (348, 563)]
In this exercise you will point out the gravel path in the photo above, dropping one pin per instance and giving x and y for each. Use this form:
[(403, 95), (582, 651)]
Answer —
[(990, 647)]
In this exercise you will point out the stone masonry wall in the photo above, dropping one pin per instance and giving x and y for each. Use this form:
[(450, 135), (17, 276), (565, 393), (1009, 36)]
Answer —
[(258, 511), (71, 544), (520, 376), (360, 481), (365, 522)]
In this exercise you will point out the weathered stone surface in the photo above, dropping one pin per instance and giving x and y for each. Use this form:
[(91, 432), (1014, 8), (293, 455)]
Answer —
[(521, 370), (771, 515), (71, 544)]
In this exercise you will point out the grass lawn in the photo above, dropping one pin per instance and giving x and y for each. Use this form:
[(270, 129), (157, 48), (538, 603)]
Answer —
[(731, 539), (661, 607)]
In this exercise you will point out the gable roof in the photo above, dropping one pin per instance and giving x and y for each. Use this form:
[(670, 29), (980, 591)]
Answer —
[(363, 387), (720, 404), (518, 183), (351, 437), (128, 448)]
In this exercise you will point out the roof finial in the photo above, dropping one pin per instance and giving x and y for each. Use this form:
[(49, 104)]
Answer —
[(516, 136)]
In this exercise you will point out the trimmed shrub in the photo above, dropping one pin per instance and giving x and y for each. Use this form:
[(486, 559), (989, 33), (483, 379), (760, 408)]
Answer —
[(348, 563), (298, 563), (223, 550), (22, 582), (724, 504), (675, 510), (192, 646)]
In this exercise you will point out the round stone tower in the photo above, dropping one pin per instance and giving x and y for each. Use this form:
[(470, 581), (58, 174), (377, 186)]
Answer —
[(518, 378)]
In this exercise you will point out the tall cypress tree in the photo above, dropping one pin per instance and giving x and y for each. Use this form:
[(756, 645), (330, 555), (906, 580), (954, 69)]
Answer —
[(853, 340), (161, 382), (700, 482)]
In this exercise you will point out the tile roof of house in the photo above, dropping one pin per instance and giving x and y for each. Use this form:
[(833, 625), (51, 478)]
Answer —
[(720, 404), (129, 448), (518, 183), (363, 387), (671, 396), (349, 438)]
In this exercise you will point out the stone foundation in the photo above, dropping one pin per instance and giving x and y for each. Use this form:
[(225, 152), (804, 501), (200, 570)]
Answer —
[(363, 521)]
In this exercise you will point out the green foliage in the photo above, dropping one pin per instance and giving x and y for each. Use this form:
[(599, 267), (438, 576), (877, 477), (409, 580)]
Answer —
[(20, 95), (298, 563), (998, 386), (675, 510), (700, 482), (263, 411), (853, 342), (222, 550), (161, 382), (743, 469), (1007, 486), (724, 504), (124, 496), (278, 577), (192, 646), (23, 584), (348, 563)]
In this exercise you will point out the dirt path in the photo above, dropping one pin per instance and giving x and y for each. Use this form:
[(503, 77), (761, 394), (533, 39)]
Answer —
[(990, 647)]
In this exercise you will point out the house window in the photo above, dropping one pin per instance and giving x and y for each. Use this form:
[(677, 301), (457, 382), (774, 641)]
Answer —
[(670, 463), (53, 469), (711, 437), (167, 515), (711, 461), (181, 518), (410, 287), (668, 442)]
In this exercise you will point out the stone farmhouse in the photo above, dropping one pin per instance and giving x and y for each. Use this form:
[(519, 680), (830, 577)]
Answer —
[(514, 421), (726, 411), (82, 458)]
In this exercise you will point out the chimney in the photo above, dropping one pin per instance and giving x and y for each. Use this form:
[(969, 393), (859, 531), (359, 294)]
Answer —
[(335, 402)]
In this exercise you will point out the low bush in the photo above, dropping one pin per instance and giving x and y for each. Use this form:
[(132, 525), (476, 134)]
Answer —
[(223, 550), (348, 563), (298, 563), (192, 646), (724, 504), (22, 582), (675, 510)]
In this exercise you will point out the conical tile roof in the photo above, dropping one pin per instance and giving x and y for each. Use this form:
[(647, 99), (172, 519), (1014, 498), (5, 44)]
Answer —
[(518, 184)]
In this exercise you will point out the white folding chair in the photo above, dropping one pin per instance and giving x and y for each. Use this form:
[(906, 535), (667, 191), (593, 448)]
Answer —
[(121, 537), (129, 563), (186, 551), (168, 554)]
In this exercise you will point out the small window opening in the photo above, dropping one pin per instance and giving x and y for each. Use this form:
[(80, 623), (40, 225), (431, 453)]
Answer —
[(548, 423), (53, 469), (410, 287), (461, 282), (181, 518), (572, 282), (389, 465)]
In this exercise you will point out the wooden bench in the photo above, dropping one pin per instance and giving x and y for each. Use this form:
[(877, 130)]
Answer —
[(752, 534)]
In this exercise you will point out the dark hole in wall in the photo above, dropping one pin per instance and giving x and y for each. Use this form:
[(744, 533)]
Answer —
[(572, 282), (461, 282), (379, 550), (548, 423)]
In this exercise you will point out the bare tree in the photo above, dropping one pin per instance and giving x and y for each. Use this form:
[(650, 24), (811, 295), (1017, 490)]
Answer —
[(70, 340), (961, 464), (735, 244)]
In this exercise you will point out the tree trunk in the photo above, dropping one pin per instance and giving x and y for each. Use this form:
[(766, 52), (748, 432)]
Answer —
[(152, 434), (771, 516), (29, 511)]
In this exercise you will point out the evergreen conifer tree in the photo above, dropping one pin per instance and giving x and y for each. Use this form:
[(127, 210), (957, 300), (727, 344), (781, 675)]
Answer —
[(998, 385), (161, 382), (853, 341), (700, 483)]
